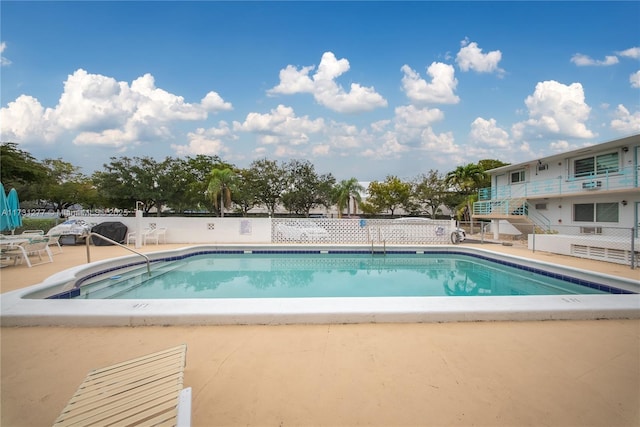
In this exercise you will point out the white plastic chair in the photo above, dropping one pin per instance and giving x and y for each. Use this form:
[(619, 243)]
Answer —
[(147, 234), (157, 235)]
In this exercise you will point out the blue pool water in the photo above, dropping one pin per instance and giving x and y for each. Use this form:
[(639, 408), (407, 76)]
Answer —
[(330, 275)]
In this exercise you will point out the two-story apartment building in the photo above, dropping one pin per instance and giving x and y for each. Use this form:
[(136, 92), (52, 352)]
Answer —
[(584, 202)]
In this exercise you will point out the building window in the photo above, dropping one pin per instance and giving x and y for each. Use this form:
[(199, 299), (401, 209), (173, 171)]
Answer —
[(596, 165), (517, 177), (541, 206), (595, 212)]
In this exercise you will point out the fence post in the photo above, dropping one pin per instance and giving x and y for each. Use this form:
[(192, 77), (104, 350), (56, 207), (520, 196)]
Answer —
[(533, 243), (633, 250)]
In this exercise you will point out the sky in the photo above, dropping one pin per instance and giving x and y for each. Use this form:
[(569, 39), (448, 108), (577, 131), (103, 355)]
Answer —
[(360, 89)]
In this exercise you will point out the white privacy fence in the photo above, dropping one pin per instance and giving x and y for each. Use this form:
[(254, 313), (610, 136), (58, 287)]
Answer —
[(292, 230)]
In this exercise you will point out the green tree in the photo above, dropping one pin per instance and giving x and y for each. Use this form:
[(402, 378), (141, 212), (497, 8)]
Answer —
[(485, 165), (126, 181), (466, 180), (222, 184), (428, 191), (245, 197), (305, 188), (20, 170), (199, 168), (116, 184), (270, 181), (346, 191), (65, 185), (387, 196)]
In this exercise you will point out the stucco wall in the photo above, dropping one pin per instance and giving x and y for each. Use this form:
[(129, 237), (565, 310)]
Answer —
[(199, 230)]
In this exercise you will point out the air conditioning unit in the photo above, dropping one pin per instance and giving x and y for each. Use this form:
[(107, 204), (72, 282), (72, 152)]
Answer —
[(591, 185), (590, 230)]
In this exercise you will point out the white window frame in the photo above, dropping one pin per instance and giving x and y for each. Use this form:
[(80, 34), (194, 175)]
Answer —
[(594, 170), (521, 175)]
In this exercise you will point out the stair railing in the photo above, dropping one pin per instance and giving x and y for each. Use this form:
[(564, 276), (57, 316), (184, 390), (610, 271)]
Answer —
[(87, 241)]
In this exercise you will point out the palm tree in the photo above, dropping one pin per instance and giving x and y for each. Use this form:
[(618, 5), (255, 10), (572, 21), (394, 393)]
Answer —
[(222, 182), (344, 192), (466, 179)]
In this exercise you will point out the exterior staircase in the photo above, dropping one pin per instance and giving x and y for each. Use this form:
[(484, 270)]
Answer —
[(515, 211)]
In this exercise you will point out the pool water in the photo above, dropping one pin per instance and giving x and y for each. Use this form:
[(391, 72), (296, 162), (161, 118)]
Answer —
[(328, 275)]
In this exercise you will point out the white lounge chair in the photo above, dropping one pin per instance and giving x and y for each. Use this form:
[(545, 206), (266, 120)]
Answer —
[(29, 247), (146, 391), (54, 240), (32, 232)]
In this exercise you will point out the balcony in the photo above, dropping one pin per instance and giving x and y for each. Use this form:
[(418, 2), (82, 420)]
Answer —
[(624, 179)]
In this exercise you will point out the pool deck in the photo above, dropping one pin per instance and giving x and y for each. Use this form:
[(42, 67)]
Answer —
[(557, 373)]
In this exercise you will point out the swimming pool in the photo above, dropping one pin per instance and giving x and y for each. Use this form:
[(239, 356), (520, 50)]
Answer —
[(30, 306), (322, 275)]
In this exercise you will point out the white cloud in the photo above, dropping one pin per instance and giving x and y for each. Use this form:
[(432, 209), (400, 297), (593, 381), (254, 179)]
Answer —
[(470, 57), (561, 146), (626, 122), (3, 61), (93, 102), (634, 79), (213, 102), (443, 143), (487, 133), (441, 90), (633, 53), (412, 117), (555, 109), (209, 142), (411, 133), (102, 111), (321, 149), (293, 81), (345, 137), (281, 125), (583, 60), (386, 147), (24, 120), (325, 90)]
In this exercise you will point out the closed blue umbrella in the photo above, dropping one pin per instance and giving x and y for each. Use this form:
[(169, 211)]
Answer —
[(14, 209), (5, 220)]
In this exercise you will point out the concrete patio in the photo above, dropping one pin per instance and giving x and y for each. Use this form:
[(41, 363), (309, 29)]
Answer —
[(556, 373)]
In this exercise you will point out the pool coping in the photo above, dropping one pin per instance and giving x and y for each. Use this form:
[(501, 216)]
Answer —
[(18, 311)]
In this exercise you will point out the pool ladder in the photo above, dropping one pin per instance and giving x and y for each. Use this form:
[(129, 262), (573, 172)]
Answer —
[(384, 248), (87, 241)]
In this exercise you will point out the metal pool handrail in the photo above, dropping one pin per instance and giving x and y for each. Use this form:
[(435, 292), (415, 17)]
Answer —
[(118, 244)]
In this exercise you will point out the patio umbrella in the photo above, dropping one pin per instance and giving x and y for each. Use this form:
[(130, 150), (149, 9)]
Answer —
[(5, 221), (14, 209)]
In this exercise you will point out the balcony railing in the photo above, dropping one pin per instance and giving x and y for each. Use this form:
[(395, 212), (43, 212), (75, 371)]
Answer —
[(625, 178)]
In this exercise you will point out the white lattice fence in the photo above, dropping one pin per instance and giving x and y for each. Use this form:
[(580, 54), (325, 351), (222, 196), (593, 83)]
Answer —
[(360, 231)]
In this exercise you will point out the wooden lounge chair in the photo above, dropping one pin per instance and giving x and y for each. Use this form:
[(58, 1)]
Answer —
[(147, 391)]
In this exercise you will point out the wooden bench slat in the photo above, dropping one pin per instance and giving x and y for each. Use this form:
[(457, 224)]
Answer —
[(115, 388), (140, 391), (136, 410), (177, 359), (121, 404), (178, 350)]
